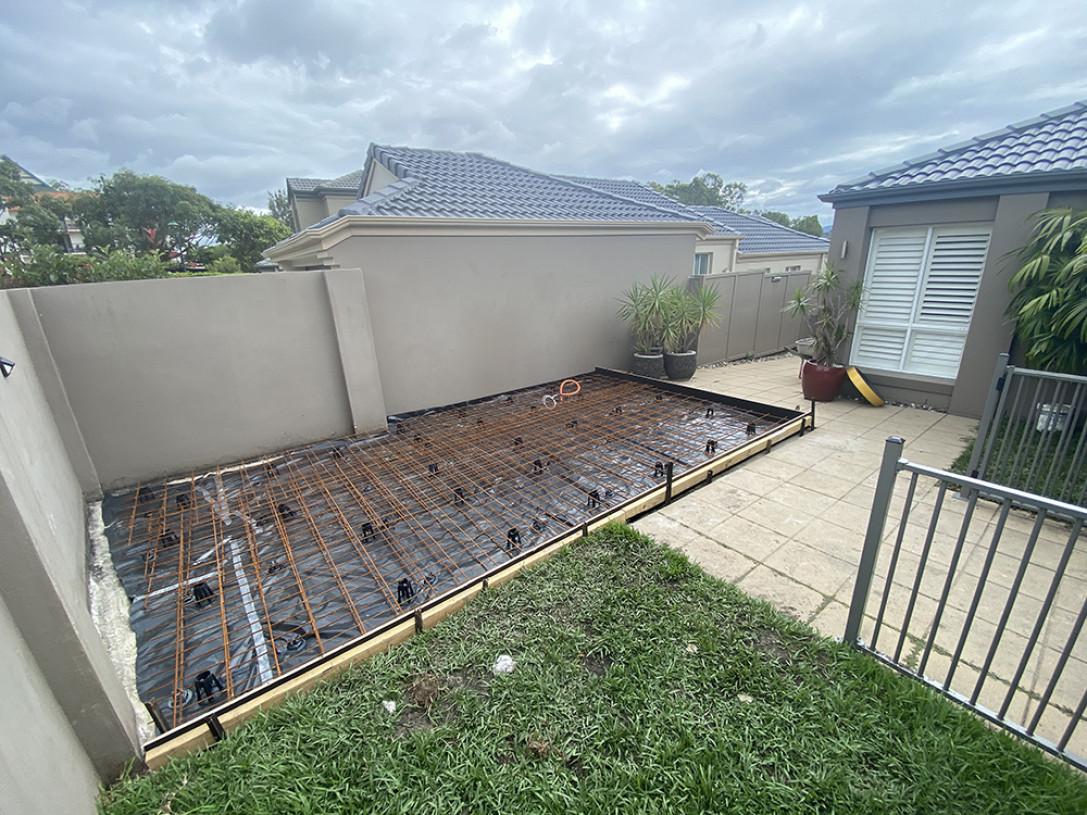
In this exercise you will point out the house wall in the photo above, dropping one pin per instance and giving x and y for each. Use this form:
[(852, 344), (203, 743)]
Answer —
[(989, 335), (63, 702), (776, 263), (723, 251), (460, 316), (308, 211), (168, 375)]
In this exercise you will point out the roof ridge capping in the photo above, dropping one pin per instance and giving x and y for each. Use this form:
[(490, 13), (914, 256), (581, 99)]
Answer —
[(690, 216)]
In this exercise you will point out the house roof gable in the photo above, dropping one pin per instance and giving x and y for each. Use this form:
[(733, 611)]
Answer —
[(349, 183), (1051, 147), (441, 183)]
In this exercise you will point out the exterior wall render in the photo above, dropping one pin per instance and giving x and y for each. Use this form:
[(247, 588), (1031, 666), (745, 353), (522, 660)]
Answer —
[(43, 767), (43, 589), (169, 375), (457, 317), (777, 263), (988, 335)]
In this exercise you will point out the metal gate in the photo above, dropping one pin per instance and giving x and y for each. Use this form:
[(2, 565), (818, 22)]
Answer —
[(982, 601), (1031, 434)]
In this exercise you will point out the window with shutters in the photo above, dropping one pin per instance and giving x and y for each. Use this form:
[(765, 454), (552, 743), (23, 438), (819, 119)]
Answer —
[(921, 283)]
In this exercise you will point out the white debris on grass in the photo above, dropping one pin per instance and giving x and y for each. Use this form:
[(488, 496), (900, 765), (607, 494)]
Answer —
[(692, 648), (390, 707), (504, 664), (743, 697)]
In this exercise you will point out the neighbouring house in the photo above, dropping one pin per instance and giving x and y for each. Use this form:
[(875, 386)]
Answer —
[(466, 257), (464, 202), (73, 237), (934, 240), (314, 199), (766, 245)]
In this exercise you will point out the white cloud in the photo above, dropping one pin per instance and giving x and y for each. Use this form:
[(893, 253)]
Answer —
[(791, 97)]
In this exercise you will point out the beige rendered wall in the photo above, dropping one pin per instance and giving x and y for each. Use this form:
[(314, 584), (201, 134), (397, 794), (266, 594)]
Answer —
[(988, 335), (723, 251), (57, 653), (308, 211), (164, 376), (43, 767), (777, 262), (457, 317)]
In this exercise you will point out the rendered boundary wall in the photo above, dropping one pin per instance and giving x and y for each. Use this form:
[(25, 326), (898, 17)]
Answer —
[(456, 316), (65, 721), (170, 375)]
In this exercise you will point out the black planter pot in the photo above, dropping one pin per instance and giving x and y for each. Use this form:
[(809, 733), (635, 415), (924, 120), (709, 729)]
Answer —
[(680, 365), (649, 365)]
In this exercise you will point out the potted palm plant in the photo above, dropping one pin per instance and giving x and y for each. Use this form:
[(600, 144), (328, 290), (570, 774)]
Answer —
[(686, 313), (642, 307), (827, 304)]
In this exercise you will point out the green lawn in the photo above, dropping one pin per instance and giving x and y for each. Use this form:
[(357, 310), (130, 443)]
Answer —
[(642, 685)]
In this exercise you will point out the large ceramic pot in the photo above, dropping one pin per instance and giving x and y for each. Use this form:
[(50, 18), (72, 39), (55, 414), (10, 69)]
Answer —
[(649, 365), (680, 365), (821, 382)]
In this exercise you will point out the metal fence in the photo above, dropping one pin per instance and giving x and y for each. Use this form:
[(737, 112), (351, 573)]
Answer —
[(1031, 434), (981, 601)]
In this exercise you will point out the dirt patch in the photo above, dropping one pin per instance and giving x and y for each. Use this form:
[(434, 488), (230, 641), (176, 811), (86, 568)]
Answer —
[(424, 691), (411, 720), (768, 641), (597, 664)]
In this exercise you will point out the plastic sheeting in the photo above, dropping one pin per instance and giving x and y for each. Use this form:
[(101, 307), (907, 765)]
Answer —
[(240, 574)]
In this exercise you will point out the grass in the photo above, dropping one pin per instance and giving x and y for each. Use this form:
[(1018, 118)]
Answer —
[(641, 685), (1035, 451)]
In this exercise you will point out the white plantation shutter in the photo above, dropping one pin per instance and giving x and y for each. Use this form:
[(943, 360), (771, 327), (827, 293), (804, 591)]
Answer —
[(921, 284)]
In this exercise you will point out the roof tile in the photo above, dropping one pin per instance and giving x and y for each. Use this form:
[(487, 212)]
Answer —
[(1053, 141)]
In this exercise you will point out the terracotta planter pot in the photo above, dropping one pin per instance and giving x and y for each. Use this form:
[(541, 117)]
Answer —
[(649, 365), (821, 382), (680, 365)]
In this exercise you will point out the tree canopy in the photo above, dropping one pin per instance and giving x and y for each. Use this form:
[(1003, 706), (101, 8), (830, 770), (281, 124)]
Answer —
[(704, 190), (710, 190), (133, 225)]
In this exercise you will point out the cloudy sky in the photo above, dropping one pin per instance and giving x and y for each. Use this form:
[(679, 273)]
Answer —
[(790, 97)]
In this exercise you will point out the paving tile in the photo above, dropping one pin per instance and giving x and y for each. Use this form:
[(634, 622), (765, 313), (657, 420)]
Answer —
[(783, 520), (719, 561), (833, 540), (823, 483), (831, 619), (811, 567), (782, 592), (751, 539)]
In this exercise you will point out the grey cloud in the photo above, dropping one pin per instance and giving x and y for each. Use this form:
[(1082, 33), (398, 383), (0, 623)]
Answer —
[(790, 97)]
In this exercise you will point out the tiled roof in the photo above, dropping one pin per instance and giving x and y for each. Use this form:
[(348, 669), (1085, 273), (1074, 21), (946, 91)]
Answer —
[(443, 184), (1054, 143), (761, 234), (346, 183), (631, 190)]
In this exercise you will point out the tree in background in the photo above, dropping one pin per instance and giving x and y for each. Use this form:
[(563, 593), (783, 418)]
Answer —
[(704, 190), (146, 213), (31, 218), (280, 207), (246, 234), (806, 223)]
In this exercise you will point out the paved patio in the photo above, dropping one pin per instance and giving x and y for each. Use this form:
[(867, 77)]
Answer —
[(788, 527)]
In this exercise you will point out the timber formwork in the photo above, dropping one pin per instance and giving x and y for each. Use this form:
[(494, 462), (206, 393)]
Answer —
[(254, 574)]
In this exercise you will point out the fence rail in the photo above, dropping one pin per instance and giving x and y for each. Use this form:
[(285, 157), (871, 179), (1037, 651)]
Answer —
[(1031, 434), (982, 602)]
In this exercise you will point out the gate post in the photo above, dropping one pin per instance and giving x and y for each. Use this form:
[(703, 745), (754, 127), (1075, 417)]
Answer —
[(988, 415), (881, 502)]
